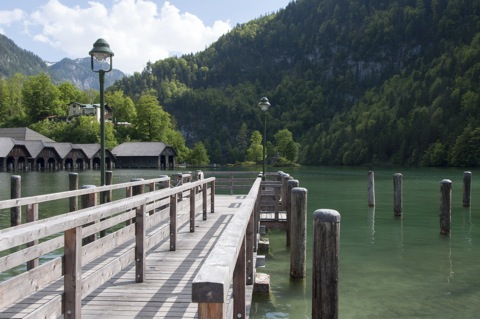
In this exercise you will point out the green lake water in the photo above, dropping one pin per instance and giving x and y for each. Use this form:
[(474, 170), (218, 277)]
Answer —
[(389, 267)]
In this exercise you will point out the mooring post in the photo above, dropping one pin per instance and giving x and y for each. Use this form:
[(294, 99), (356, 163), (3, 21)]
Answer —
[(467, 185), (371, 189), (397, 194), (291, 184), (73, 185), (89, 200), (445, 206), (15, 192), (285, 178), (326, 246), (298, 251)]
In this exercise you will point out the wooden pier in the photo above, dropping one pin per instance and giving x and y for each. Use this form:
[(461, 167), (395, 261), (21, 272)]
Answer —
[(171, 252)]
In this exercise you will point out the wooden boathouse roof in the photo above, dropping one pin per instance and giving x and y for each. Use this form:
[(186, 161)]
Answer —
[(135, 149), (23, 134)]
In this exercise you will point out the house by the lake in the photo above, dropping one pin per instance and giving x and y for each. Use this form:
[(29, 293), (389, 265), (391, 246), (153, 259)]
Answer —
[(144, 155), (76, 109)]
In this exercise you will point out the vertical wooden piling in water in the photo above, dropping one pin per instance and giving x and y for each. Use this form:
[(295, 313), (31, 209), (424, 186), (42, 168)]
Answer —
[(371, 189), (73, 185), (467, 185), (285, 178), (15, 192), (298, 251), (88, 200), (445, 206), (397, 194), (326, 246), (292, 183)]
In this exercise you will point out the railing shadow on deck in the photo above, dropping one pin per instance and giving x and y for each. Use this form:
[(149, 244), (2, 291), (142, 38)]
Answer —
[(68, 231)]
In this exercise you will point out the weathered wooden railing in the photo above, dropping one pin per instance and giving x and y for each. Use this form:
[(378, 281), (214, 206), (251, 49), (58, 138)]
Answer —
[(230, 264), (233, 182), (57, 286)]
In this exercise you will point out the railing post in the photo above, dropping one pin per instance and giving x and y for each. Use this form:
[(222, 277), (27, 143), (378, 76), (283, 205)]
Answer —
[(298, 252), (31, 216), (250, 247), (239, 284), (212, 197), (326, 246), (89, 200), (73, 185), (192, 210), (173, 222), (204, 200), (73, 273), (108, 181), (15, 192), (292, 183), (177, 181), (139, 189), (140, 233)]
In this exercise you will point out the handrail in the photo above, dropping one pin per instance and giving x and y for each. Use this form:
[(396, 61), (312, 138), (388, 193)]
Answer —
[(79, 224), (231, 260), (9, 203), (21, 234)]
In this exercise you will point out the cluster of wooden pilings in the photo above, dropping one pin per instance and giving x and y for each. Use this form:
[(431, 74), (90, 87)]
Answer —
[(326, 246), (445, 197)]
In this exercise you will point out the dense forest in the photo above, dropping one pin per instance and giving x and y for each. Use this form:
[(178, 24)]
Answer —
[(356, 82)]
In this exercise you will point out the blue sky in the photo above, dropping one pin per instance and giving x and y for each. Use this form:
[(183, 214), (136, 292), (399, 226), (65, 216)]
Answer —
[(138, 31)]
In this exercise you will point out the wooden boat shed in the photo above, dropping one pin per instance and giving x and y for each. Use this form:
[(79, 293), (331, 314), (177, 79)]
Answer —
[(25, 149), (144, 155)]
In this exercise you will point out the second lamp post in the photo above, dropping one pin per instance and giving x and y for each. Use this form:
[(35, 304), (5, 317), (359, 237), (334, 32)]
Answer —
[(264, 105)]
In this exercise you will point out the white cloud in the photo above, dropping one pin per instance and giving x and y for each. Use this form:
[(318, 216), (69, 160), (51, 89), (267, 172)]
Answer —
[(136, 30), (11, 16)]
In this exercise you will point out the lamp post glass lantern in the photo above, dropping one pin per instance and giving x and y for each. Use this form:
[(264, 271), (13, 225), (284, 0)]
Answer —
[(101, 53), (264, 105)]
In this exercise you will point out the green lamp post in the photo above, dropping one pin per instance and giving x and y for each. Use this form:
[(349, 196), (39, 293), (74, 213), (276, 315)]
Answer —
[(101, 53), (264, 105)]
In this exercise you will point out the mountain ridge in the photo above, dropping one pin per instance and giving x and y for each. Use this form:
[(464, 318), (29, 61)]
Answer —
[(14, 59)]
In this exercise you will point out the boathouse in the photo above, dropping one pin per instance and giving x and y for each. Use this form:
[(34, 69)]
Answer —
[(25, 149), (144, 155)]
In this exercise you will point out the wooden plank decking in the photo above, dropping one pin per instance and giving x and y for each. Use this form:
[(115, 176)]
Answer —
[(166, 292)]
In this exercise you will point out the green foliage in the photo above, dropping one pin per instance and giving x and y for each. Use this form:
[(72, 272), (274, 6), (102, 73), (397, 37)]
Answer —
[(198, 156), (354, 82), (255, 150), (152, 122), (41, 98)]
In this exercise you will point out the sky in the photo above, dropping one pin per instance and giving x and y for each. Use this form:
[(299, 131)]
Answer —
[(138, 31)]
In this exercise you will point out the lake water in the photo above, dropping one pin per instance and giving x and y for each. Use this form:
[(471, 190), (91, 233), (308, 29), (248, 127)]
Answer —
[(389, 267)]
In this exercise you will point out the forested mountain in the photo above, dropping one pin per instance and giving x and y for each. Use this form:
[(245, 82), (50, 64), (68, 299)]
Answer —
[(355, 81), (79, 73), (16, 60)]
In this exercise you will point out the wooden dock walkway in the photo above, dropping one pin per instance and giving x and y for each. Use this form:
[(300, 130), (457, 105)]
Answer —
[(167, 289), (175, 252)]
